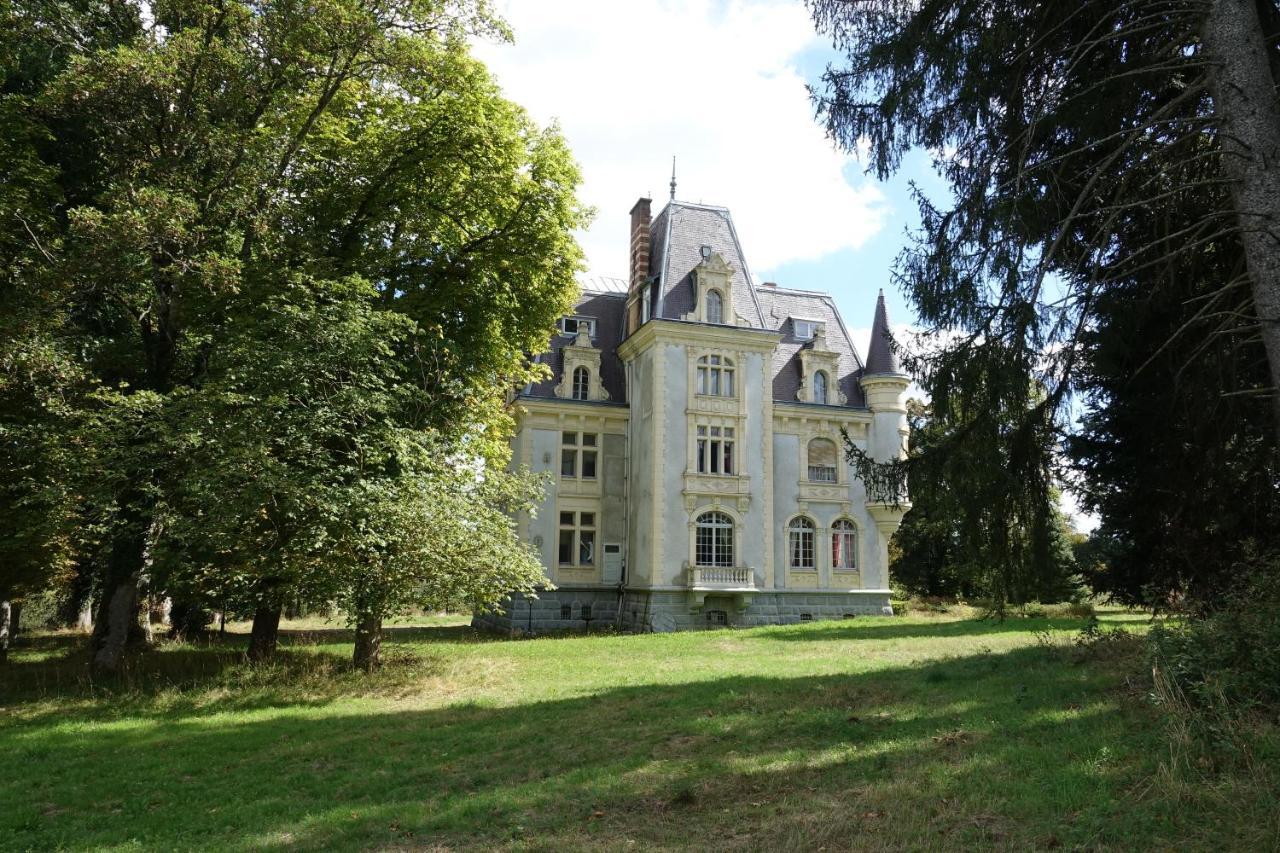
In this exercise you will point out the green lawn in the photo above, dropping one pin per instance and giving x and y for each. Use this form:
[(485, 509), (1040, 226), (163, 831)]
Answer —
[(877, 733)]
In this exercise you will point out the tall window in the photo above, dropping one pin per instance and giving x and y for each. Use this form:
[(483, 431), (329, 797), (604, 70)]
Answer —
[(800, 544), (715, 376), (578, 455), (581, 383), (644, 304), (844, 545), (577, 538), (820, 387), (822, 460), (713, 545), (715, 307), (715, 450)]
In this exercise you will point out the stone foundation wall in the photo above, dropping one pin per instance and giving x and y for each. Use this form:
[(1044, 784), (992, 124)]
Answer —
[(546, 614), (670, 610)]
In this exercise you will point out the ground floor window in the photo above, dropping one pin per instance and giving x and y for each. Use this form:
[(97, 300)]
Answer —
[(714, 542), (844, 545), (800, 544), (577, 538)]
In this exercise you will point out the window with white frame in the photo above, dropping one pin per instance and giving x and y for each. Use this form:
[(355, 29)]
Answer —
[(713, 541), (844, 545), (644, 304), (570, 325), (714, 449), (715, 307), (577, 539), (715, 376), (800, 544), (804, 329), (578, 455), (581, 383), (822, 460), (820, 387)]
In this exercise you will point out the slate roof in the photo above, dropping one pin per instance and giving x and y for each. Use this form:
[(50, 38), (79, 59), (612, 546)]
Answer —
[(677, 236), (881, 357), (608, 308), (780, 305)]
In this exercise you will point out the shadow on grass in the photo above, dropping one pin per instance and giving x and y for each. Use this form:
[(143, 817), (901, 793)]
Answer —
[(55, 667), (876, 628), (1015, 750)]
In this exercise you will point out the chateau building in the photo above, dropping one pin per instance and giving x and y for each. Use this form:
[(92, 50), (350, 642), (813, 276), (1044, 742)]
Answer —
[(692, 423)]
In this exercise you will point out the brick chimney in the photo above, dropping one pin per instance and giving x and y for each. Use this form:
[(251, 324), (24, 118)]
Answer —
[(640, 221)]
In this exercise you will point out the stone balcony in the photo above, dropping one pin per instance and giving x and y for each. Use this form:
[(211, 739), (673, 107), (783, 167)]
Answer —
[(736, 581)]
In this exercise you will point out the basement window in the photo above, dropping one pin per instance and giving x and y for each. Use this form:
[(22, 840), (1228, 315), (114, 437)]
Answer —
[(806, 617), (566, 611), (586, 611), (717, 618)]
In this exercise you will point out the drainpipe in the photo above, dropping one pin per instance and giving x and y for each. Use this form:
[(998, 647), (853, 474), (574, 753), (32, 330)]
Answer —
[(626, 503)]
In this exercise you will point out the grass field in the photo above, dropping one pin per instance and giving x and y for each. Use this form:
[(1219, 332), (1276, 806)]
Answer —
[(916, 732)]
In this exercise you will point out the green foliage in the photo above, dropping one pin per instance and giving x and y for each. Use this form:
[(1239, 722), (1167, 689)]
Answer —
[(950, 545), (1231, 654), (1085, 181), (292, 256), (1180, 466)]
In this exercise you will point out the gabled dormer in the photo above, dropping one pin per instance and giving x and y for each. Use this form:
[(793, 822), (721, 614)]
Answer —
[(820, 371), (580, 376), (713, 291)]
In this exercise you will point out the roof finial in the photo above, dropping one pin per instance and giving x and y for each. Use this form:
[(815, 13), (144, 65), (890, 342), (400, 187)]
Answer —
[(673, 177)]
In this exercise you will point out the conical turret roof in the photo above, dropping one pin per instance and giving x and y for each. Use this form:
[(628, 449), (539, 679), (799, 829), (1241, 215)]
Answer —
[(880, 355)]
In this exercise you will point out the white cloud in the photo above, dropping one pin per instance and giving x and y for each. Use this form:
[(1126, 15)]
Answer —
[(715, 84)]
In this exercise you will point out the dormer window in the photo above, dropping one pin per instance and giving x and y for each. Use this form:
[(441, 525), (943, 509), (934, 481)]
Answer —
[(804, 329), (581, 383), (820, 387), (571, 325), (715, 307)]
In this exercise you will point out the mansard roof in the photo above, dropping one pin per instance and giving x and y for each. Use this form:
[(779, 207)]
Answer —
[(676, 239), (780, 305), (608, 308)]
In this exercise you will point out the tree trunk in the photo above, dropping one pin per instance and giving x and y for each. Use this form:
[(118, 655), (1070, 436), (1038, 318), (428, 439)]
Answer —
[(1244, 94), (77, 598), (117, 622), (368, 651), (5, 611), (265, 634), (15, 621)]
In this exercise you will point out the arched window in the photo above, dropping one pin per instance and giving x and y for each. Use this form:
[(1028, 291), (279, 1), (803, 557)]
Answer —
[(715, 307), (800, 544), (581, 383), (822, 461), (844, 545), (713, 545), (820, 387), (715, 376)]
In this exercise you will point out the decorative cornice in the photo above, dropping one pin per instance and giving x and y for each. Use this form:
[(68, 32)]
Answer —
[(698, 334)]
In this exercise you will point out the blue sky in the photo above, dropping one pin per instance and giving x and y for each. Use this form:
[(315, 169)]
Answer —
[(720, 84)]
